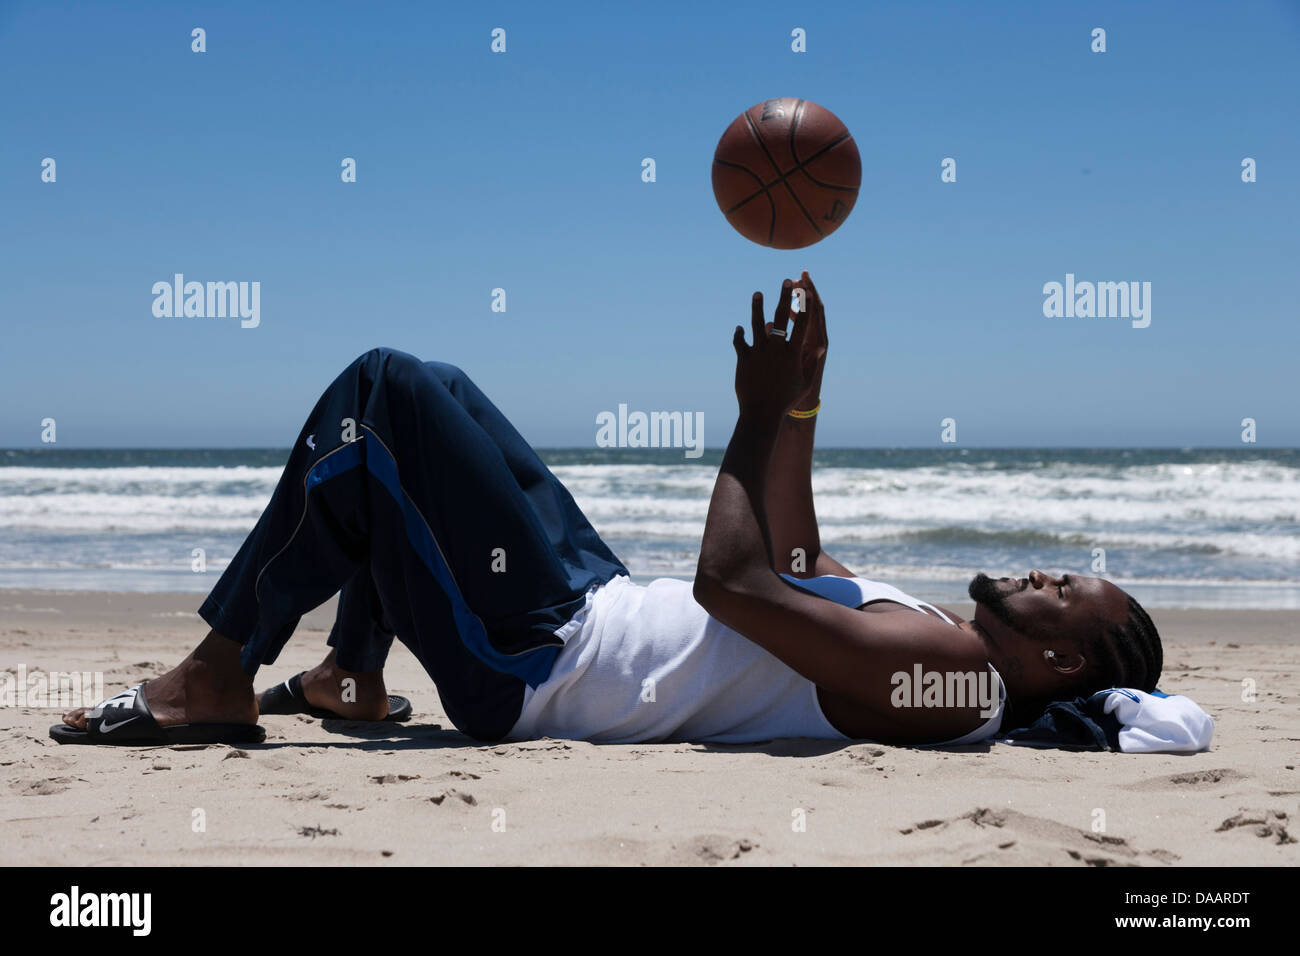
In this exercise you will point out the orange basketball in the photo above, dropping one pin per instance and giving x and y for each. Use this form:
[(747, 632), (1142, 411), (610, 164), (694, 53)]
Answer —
[(786, 173)]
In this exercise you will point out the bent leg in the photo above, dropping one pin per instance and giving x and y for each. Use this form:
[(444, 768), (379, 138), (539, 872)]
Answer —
[(394, 470)]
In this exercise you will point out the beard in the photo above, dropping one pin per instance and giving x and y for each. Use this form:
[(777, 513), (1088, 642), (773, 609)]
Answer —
[(984, 590)]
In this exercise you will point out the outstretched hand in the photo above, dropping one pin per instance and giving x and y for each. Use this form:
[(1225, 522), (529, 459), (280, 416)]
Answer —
[(772, 374)]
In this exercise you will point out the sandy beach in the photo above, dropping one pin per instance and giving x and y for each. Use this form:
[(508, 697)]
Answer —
[(334, 792)]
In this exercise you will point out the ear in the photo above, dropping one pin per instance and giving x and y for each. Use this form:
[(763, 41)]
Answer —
[(1064, 662)]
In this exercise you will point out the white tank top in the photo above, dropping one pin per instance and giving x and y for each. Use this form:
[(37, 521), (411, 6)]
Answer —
[(646, 663)]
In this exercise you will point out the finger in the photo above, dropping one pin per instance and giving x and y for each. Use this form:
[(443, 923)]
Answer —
[(738, 340), (803, 297), (781, 319), (806, 281), (815, 310), (756, 318), (800, 330)]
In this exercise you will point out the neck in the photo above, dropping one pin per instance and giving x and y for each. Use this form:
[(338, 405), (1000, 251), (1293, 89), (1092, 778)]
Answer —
[(1009, 668)]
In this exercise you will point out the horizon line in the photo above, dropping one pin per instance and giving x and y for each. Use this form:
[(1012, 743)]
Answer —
[(670, 449)]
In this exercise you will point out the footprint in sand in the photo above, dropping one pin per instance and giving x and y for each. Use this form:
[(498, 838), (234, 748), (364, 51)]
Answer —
[(394, 777), (712, 849), (40, 787), (309, 795), (1008, 837), (864, 755), (453, 796), (1265, 824), (1194, 780)]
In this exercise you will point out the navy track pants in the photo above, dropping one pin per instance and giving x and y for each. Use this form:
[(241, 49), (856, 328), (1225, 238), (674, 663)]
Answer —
[(409, 492)]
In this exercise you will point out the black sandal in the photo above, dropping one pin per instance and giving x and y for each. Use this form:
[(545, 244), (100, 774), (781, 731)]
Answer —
[(127, 721), (288, 698)]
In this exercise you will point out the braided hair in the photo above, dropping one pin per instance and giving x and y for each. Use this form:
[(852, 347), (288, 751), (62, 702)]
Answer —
[(1128, 655)]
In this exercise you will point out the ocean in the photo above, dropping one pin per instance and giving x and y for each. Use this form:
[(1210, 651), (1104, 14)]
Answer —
[(1195, 528)]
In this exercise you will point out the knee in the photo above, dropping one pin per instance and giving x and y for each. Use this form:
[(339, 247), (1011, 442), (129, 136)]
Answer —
[(402, 367), (384, 355), (387, 362), (447, 372)]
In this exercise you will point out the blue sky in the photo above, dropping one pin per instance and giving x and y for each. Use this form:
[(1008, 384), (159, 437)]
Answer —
[(521, 170)]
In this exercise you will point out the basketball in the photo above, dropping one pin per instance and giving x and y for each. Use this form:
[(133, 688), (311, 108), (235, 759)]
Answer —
[(786, 173)]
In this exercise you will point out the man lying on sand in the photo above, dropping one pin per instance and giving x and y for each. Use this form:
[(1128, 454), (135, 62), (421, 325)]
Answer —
[(410, 493)]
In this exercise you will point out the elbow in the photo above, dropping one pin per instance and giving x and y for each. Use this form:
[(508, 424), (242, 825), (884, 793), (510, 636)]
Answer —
[(715, 596), (706, 589), (714, 590), (717, 593)]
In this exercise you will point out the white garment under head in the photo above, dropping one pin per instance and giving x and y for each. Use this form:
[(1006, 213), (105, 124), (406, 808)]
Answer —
[(646, 663)]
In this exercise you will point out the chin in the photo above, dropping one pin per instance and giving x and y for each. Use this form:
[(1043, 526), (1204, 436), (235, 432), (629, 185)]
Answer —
[(979, 585)]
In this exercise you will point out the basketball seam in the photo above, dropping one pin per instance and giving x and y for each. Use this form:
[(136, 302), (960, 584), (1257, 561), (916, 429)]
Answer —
[(761, 192), (749, 123), (748, 171), (816, 155), (800, 166), (797, 169), (816, 181), (794, 125)]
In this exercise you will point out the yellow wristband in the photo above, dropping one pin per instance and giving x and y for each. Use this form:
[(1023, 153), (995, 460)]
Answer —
[(794, 413)]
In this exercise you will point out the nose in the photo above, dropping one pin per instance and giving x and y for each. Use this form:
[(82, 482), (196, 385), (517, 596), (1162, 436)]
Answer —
[(1038, 579)]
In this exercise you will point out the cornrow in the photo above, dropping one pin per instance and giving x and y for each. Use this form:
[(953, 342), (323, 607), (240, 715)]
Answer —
[(1129, 655)]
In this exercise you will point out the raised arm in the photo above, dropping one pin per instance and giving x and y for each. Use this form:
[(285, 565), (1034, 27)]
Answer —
[(737, 547), (792, 519), (848, 653)]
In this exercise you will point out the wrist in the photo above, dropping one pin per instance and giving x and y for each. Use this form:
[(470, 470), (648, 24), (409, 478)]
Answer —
[(756, 421)]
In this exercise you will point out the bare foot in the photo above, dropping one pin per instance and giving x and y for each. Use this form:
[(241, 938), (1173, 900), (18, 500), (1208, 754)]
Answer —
[(348, 694), (208, 687)]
